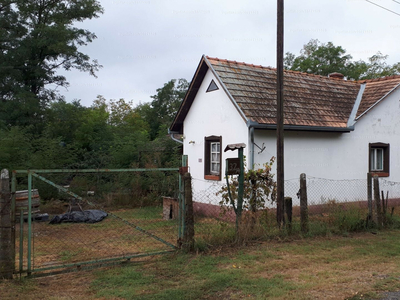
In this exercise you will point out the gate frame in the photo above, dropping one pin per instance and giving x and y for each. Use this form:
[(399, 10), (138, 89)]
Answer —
[(35, 172)]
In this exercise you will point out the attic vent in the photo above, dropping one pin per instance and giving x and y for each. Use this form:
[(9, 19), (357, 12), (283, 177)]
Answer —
[(212, 87), (336, 75)]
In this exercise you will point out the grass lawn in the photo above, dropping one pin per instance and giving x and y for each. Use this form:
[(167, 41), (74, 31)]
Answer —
[(358, 266)]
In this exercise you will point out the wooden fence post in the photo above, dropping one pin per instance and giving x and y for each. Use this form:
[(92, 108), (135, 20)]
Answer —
[(288, 209), (384, 207), (6, 242), (303, 204), (369, 193), (188, 234), (377, 204)]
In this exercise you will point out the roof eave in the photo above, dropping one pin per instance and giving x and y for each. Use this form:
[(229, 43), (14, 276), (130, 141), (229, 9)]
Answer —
[(177, 124), (300, 127), (242, 114)]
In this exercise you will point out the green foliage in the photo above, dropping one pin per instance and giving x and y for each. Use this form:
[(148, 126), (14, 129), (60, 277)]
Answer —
[(108, 134), (37, 39), (259, 187), (15, 148), (160, 112), (318, 58), (323, 59)]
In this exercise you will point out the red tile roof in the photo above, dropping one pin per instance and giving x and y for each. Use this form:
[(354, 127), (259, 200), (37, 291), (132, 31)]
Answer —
[(375, 90), (310, 100)]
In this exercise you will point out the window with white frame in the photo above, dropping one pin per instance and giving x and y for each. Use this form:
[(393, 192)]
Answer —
[(215, 157), (212, 157), (379, 159)]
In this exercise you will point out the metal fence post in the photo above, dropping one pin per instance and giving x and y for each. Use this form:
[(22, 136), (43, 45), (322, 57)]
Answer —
[(21, 241), (6, 261), (240, 194)]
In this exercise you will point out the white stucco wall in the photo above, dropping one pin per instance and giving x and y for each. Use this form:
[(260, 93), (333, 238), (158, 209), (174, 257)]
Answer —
[(328, 155), (339, 156), (211, 113)]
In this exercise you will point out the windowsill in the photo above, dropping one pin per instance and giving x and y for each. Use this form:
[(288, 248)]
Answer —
[(212, 177), (380, 174)]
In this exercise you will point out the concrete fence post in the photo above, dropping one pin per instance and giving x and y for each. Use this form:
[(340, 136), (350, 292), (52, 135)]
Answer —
[(303, 204), (6, 242)]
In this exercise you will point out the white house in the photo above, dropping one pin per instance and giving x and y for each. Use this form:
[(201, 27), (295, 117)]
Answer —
[(334, 128)]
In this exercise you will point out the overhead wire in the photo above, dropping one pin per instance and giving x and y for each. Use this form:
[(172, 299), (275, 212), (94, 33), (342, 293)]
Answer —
[(396, 1), (384, 7)]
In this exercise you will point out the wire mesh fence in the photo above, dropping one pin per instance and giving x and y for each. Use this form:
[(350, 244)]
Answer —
[(134, 227), (333, 206)]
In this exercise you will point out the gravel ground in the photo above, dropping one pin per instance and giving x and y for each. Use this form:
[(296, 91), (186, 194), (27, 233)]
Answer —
[(391, 296)]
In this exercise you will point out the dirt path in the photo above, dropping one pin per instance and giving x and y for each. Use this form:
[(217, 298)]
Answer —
[(75, 285)]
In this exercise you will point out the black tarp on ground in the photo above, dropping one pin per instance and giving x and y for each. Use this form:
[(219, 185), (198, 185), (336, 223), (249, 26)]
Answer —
[(85, 216)]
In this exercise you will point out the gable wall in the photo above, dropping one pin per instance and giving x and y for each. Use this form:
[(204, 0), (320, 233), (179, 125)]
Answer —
[(211, 113)]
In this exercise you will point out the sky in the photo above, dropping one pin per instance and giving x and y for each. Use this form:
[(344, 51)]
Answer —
[(142, 44)]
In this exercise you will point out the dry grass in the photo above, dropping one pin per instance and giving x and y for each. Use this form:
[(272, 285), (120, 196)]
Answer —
[(60, 244), (316, 268)]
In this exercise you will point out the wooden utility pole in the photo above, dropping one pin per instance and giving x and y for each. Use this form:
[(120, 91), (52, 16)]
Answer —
[(280, 118)]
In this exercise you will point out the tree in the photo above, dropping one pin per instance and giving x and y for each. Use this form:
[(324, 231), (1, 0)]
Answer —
[(61, 115), (318, 58), (130, 134), (161, 111), (38, 38), (323, 59)]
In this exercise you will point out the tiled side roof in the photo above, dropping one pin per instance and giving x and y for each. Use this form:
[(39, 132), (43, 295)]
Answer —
[(375, 90), (310, 100)]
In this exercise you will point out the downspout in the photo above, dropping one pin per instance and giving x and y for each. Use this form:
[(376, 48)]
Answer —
[(251, 147), (171, 134)]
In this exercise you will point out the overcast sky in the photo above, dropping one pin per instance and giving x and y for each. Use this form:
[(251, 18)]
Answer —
[(143, 44)]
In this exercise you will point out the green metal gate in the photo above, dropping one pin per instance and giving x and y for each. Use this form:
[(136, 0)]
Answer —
[(125, 234)]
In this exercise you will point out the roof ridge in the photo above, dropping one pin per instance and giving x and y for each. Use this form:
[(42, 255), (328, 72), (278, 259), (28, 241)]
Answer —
[(379, 79), (285, 70)]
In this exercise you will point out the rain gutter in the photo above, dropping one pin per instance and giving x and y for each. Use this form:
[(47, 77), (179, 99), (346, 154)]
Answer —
[(251, 147), (171, 134), (300, 127), (352, 118)]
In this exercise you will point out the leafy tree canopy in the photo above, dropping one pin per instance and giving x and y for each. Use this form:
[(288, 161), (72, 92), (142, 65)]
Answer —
[(323, 59), (160, 112), (38, 37)]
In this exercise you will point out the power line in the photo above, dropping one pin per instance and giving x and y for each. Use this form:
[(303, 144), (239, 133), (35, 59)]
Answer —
[(385, 7), (396, 1)]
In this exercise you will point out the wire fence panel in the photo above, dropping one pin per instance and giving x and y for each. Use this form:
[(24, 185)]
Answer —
[(135, 225), (333, 206)]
